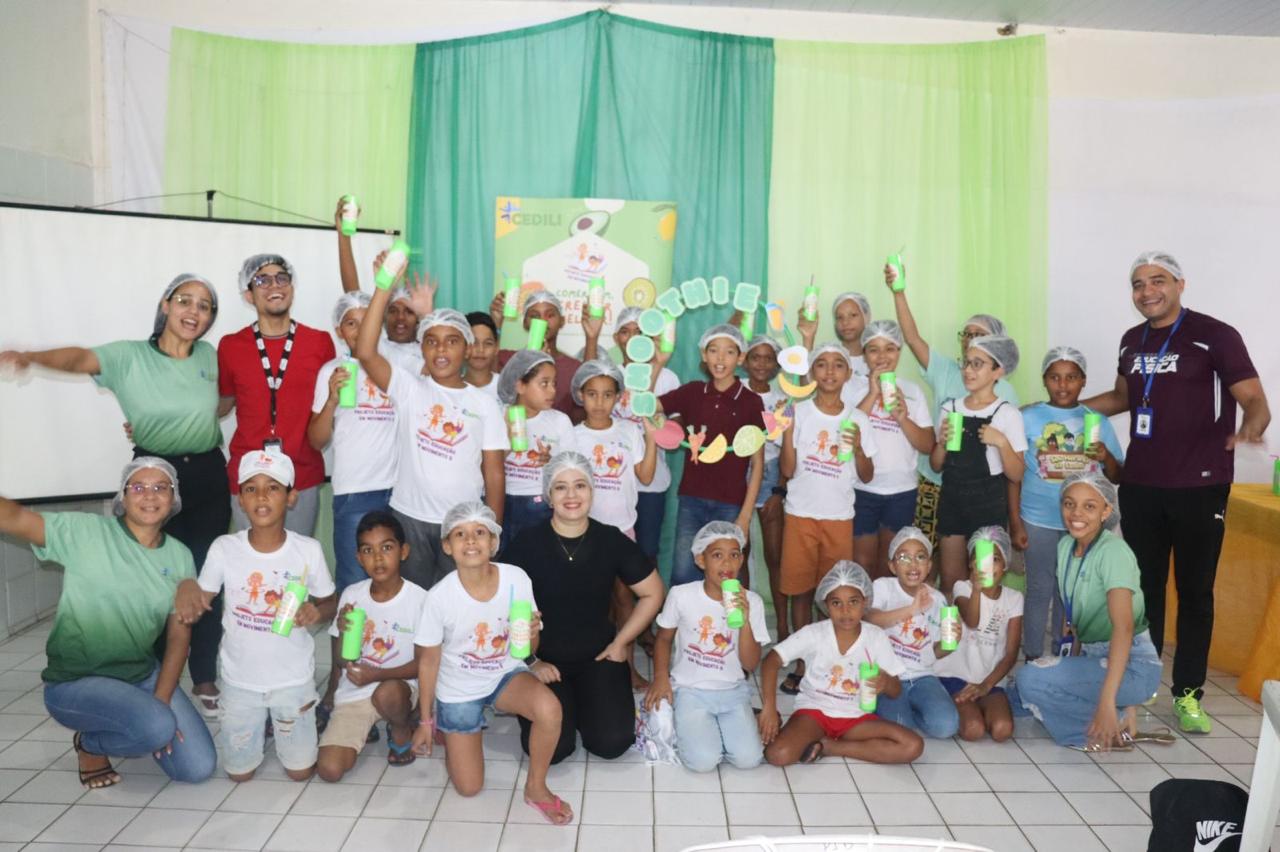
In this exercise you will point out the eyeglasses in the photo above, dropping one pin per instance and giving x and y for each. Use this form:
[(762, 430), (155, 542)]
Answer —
[(265, 281), (186, 300), (907, 558), (976, 364), (137, 489)]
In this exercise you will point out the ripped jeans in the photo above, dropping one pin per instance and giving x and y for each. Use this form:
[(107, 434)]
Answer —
[(1062, 692), (244, 719)]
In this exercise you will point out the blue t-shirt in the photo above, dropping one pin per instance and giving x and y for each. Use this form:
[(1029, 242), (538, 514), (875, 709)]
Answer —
[(1054, 450), (947, 382)]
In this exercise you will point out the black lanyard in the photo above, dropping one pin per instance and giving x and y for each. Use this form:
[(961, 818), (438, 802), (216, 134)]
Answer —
[(274, 380), (1142, 358)]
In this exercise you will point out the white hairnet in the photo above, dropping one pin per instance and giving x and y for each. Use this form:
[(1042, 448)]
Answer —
[(1001, 349), (537, 297), (590, 370), (997, 536), (627, 315), (348, 302), (714, 531), (522, 363), (1105, 488), (843, 573), (143, 463), (850, 296), (1162, 259), (990, 323), (252, 264), (729, 332), (1064, 353), (824, 348), (401, 294), (470, 512), (907, 534), (559, 463), (449, 317), (886, 329), (764, 340), (157, 326)]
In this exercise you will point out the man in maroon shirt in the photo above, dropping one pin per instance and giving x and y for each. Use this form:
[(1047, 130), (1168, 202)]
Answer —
[(273, 351), (544, 305), (1181, 375)]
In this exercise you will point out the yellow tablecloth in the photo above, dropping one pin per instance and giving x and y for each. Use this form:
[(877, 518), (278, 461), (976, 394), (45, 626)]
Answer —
[(1246, 637)]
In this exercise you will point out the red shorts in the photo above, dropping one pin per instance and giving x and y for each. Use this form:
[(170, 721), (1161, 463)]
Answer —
[(835, 727)]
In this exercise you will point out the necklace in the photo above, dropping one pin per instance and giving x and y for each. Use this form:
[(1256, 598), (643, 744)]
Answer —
[(567, 554)]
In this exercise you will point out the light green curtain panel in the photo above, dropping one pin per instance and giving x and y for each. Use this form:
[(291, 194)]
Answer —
[(292, 126), (941, 148)]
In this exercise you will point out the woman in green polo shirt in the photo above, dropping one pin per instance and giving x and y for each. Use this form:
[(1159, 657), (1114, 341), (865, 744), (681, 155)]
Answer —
[(167, 386), (121, 575), (1113, 663)]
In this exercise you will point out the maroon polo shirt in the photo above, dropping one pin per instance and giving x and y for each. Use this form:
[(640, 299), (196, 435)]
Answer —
[(699, 404)]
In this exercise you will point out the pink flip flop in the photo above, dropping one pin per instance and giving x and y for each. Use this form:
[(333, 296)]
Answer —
[(553, 811)]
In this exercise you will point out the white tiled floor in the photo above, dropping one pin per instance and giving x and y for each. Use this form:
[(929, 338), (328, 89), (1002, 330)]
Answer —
[(1028, 794)]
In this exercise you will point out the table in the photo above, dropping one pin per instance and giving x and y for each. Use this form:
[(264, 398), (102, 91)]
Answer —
[(1264, 789)]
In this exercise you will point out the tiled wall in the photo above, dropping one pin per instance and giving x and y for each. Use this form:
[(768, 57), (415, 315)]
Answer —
[(38, 179)]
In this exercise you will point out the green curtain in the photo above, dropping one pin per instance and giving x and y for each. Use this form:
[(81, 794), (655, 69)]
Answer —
[(292, 126), (941, 148)]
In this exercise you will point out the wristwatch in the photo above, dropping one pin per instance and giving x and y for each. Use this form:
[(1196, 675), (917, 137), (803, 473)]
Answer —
[(779, 491)]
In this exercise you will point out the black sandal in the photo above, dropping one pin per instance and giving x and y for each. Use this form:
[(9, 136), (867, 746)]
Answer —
[(811, 752), (89, 776), (397, 754), (791, 684)]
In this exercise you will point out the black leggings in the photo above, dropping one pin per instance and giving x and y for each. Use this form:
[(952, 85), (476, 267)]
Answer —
[(595, 699)]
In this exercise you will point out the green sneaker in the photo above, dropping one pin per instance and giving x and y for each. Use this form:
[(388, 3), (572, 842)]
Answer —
[(1191, 718)]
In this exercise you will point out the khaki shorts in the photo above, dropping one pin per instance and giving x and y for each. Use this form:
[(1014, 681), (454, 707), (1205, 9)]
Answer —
[(349, 723), (809, 548)]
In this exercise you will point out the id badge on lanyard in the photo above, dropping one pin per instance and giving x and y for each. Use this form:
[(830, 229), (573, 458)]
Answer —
[(1143, 416)]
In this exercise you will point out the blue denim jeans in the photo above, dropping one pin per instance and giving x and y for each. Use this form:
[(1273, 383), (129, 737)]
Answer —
[(348, 509), (693, 514), (1042, 601), (520, 513), (127, 720), (717, 724), (924, 706), (1062, 692), (651, 507)]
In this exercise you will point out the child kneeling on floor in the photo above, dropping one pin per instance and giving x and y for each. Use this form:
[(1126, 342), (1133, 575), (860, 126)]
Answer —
[(829, 718), (381, 682), (466, 665), (712, 701)]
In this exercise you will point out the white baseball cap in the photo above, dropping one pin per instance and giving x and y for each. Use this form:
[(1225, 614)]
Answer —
[(278, 466)]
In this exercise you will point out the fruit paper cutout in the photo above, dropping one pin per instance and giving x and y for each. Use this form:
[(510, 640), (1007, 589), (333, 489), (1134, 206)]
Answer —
[(775, 319), (670, 302), (640, 348), (639, 377), (794, 360), (651, 322), (715, 450), (639, 293), (695, 293), (793, 390), (746, 297), (748, 439), (669, 435), (777, 421), (720, 290), (645, 404), (695, 442)]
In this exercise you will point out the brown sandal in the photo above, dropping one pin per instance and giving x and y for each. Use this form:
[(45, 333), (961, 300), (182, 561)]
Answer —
[(106, 774)]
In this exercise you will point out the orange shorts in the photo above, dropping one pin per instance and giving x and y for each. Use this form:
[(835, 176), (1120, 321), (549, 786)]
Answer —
[(809, 548)]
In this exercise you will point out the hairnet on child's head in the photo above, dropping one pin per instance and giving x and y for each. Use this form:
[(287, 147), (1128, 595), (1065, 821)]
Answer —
[(1105, 488), (470, 512), (629, 314), (252, 264), (157, 326), (1162, 259), (850, 296), (728, 332), (538, 297), (887, 329), (348, 302), (449, 317), (142, 463), (590, 370), (561, 462), (714, 531), (1001, 349), (905, 535), (824, 348), (992, 324), (996, 535), (843, 573), (1064, 353), (764, 340), (401, 294), (522, 363)]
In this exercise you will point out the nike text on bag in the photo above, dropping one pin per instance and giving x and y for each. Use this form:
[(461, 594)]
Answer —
[(1196, 816)]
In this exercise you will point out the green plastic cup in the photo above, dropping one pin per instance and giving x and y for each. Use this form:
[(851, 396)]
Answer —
[(888, 387), (748, 325), (984, 559), (350, 215), (810, 303), (353, 636), (347, 390), (846, 444), (950, 618), (899, 283), (956, 420), (295, 595), (396, 261), (537, 334), (595, 297), (867, 691), (520, 629), (667, 343), (1275, 479), (733, 616), (510, 297), (518, 428), (1092, 430)]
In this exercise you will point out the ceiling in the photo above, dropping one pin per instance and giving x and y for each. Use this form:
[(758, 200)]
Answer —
[(1207, 17)]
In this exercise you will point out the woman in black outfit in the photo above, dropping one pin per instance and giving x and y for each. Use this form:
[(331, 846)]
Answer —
[(573, 562)]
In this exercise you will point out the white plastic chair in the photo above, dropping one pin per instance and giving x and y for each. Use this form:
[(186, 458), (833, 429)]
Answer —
[(1264, 788), (837, 843)]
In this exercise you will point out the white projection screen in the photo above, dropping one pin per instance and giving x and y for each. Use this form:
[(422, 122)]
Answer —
[(79, 278)]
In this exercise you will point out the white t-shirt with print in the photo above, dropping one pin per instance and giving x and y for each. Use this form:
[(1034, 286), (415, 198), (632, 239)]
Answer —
[(442, 433), (913, 637), (252, 585), (550, 432), (490, 389), (389, 629), (831, 679), (896, 466), (822, 486), (364, 437), (406, 355), (614, 454), (667, 382), (981, 649), (1008, 419), (473, 633), (772, 400), (704, 652)]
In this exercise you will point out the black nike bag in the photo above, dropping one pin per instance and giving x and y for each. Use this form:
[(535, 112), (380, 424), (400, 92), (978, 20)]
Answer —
[(1196, 816)]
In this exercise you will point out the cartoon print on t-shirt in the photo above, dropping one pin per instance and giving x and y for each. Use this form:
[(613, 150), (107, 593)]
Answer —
[(712, 646), (824, 458), (489, 647), (535, 457), (255, 604), (444, 429), (255, 586), (1059, 452), (910, 640), (837, 685)]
